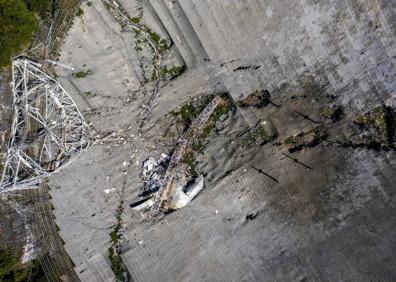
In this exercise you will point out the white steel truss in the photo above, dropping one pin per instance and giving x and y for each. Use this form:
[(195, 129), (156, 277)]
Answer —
[(47, 128)]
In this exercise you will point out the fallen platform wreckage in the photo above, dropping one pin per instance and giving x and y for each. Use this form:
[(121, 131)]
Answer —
[(47, 128), (166, 182)]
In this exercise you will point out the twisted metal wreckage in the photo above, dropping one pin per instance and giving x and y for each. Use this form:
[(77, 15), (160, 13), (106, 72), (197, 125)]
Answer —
[(170, 186), (47, 128)]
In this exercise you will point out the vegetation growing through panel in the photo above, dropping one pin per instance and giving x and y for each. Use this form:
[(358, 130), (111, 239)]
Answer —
[(172, 72), (80, 12), (116, 262), (333, 113), (81, 73)]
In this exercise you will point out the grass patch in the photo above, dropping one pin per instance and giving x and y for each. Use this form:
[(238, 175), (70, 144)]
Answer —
[(80, 12), (334, 114), (116, 262), (173, 72), (380, 123), (161, 44), (189, 160), (82, 73)]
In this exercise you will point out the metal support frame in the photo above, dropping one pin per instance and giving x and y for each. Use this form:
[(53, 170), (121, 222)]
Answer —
[(182, 145), (47, 128)]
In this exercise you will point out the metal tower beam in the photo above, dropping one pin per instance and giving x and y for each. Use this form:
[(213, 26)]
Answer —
[(47, 128)]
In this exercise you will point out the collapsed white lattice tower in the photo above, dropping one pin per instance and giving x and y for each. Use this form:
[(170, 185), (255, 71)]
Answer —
[(47, 128)]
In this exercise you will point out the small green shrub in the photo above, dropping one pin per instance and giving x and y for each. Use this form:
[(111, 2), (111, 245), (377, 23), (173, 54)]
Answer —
[(81, 74)]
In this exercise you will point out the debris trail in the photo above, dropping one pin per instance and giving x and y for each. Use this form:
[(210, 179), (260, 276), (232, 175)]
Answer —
[(121, 16)]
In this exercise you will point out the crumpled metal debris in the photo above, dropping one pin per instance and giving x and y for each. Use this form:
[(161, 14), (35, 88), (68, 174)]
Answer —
[(153, 174)]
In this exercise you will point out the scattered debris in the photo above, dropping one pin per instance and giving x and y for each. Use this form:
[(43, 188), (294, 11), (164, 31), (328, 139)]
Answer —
[(379, 128), (169, 177), (107, 191), (258, 99), (309, 139), (153, 174), (55, 137), (251, 216), (184, 194)]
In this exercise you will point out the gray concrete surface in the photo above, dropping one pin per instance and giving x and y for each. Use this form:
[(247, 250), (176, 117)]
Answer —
[(332, 223)]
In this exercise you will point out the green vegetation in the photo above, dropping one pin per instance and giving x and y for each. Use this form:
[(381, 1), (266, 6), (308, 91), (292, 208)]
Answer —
[(160, 43), (117, 264), (197, 145), (135, 20), (82, 73), (12, 270), (173, 72), (80, 12), (41, 7), (17, 25), (258, 99), (380, 123), (374, 119), (189, 112), (307, 139), (189, 160), (334, 114)]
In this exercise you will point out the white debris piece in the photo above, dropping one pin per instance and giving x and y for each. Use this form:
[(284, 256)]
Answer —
[(149, 165), (107, 191), (184, 195)]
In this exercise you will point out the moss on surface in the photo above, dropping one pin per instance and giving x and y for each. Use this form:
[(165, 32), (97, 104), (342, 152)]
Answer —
[(189, 160), (258, 99), (80, 12), (173, 72), (135, 20), (82, 73), (333, 113), (116, 262), (188, 113), (160, 43), (379, 126), (306, 139), (373, 119)]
